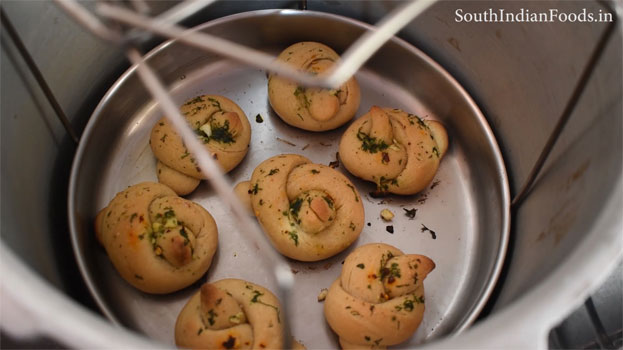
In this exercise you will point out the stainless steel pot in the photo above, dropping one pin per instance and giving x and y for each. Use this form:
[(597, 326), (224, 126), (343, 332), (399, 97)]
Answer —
[(566, 235), (468, 207)]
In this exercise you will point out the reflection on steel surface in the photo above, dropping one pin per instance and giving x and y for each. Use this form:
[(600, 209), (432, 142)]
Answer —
[(353, 58)]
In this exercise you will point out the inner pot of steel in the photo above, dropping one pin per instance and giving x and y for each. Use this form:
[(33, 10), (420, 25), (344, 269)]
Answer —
[(467, 205)]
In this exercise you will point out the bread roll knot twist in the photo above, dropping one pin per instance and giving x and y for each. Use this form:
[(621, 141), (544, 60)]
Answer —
[(309, 211), (398, 151), (313, 109), (378, 300), (219, 123), (157, 241), (230, 314)]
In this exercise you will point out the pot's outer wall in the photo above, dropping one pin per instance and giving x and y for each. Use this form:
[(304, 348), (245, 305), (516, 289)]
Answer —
[(520, 74)]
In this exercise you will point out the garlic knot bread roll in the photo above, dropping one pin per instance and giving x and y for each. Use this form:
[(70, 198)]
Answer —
[(309, 211), (157, 241), (378, 300), (312, 109), (396, 150), (219, 123), (230, 314)]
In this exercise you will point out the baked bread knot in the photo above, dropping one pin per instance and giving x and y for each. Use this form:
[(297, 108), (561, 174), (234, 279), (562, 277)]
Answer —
[(242, 190), (378, 300), (394, 149), (157, 241), (312, 109), (309, 211), (219, 123), (230, 314)]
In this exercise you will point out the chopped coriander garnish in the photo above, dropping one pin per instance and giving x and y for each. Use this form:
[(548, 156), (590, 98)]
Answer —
[(361, 266), (194, 100), (394, 270), (299, 90), (185, 235), (354, 192), (384, 183), (408, 305), (215, 103), (329, 201), (371, 144), (295, 207), (256, 188), (211, 316), (256, 295), (417, 119), (221, 133), (299, 93), (256, 299), (384, 271), (295, 237)]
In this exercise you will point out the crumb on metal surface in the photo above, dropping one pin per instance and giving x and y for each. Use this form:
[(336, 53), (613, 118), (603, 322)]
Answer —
[(323, 294), (410, 213), (286, 142), (387, 214)]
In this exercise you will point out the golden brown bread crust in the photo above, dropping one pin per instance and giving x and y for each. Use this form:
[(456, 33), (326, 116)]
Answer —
[(398, 151), (378, 300), (157, 241), (230, 314), (242, 191), (309, 211), (313, 109), (218, 122), (181, 183)]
